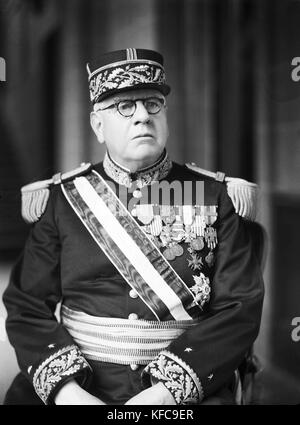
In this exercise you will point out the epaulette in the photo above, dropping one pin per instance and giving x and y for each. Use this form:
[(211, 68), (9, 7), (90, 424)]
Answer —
[(35, 195), (244, 194)]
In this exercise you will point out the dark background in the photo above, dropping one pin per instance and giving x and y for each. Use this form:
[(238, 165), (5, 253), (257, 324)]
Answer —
[(233, 107)]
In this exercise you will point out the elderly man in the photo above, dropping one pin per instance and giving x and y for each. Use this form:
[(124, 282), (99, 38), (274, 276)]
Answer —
[(160, 290)]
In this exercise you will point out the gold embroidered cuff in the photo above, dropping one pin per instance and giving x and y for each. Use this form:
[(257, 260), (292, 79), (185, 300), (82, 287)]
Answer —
[(177, 377), (62, 364)]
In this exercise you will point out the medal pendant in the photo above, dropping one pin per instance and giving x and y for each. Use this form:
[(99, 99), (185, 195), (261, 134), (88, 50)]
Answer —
[(178, 232), (211, 237), (177, 250), (195, 262), (210, 259), (165, 235), (167, 214), (197, 244), (189, 234), (145, 213), (168, 254)]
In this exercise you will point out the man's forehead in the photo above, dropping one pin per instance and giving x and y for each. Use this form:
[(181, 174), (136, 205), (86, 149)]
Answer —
[(131, 94)]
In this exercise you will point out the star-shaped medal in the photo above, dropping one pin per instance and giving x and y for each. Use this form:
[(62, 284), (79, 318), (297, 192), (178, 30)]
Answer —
[(195, 263)]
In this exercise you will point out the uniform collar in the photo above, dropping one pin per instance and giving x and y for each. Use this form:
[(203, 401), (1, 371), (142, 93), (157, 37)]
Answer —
[(143, 177)]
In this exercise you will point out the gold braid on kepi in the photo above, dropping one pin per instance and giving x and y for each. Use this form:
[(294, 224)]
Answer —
[(35, 195), (243, 194)]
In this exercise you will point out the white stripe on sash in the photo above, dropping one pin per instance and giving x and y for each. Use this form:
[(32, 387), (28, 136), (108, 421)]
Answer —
[(130, 249)]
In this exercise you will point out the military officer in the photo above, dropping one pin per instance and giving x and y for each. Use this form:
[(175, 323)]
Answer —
[(160, 290)]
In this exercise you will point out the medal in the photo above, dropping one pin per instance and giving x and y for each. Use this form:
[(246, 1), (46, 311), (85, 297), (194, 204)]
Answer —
[(197, 244), (165, 235), (189, 234), (177, 249), (145, 213), (194, 262), (168, 254), (201, 289), (178, 232), (167, 214), (210, 259), (210, 237)]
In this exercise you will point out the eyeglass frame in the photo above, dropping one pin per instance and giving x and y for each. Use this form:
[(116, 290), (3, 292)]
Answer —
[(162, 100)]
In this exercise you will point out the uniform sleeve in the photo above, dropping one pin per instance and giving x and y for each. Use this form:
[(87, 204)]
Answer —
[(45, 351), (203, 359)]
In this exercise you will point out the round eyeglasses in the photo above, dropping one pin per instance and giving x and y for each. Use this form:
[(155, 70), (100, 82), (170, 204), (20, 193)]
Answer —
[(127, 108)]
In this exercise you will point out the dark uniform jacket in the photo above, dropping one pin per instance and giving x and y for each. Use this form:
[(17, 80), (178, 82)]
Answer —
[(62, 263)]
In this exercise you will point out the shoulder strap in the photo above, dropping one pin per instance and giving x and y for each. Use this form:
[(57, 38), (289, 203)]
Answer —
[(35, 195), (243, 194)]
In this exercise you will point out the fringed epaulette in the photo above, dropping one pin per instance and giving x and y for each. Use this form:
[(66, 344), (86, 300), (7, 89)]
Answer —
[(244, 194), (35, 195)]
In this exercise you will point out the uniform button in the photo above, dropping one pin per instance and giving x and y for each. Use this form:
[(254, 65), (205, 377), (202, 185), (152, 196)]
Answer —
[(134, 366), (133, 316), (133, 293)]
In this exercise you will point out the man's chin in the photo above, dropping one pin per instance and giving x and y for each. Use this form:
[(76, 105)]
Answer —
[(146, 154)]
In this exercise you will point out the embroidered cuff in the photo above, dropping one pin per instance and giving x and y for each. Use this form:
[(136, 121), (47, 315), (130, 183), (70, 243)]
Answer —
[(59, 366), (177, 377)]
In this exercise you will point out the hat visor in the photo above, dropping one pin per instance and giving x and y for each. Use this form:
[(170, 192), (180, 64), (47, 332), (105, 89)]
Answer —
[(163, 88)]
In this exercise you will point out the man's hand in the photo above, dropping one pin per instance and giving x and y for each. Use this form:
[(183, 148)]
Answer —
[(72, 393), (157, 394)]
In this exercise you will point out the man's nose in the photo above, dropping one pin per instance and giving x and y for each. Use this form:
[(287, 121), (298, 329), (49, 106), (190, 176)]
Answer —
[(141, 114)]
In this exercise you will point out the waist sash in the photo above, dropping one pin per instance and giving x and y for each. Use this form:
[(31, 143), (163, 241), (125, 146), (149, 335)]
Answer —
[(128, 247), (121, 341)]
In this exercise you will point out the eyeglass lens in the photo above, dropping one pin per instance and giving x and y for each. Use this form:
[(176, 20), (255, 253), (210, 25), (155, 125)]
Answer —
[(127, 107)]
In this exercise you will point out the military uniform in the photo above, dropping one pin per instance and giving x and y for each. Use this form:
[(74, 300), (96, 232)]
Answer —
[(154, 286), (62, 262)]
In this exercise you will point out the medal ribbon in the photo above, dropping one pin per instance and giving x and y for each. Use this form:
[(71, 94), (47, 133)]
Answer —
[(126, 245)]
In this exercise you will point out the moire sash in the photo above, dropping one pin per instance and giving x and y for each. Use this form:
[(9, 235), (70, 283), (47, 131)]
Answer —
[(129, 249)]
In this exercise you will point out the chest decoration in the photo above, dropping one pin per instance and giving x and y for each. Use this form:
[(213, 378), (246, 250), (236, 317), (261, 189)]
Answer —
[(170, 227), (125, 243)]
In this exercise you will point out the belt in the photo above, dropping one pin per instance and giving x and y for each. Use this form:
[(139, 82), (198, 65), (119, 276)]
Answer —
[(121, 341)]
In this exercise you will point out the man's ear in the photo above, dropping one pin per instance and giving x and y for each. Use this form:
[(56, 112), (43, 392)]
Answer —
[(97, 126)]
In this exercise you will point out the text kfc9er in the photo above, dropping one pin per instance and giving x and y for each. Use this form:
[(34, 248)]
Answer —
[(171, 414)]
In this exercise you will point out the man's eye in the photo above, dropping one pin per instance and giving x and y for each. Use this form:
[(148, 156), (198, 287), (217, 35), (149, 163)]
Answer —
[(125, 105), (153, 103)]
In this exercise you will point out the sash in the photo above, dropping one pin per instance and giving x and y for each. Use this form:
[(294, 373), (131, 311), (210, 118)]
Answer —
[(129, 249), (122, 341)]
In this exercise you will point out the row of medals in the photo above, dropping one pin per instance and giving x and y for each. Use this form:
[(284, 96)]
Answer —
[(168, 226)]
